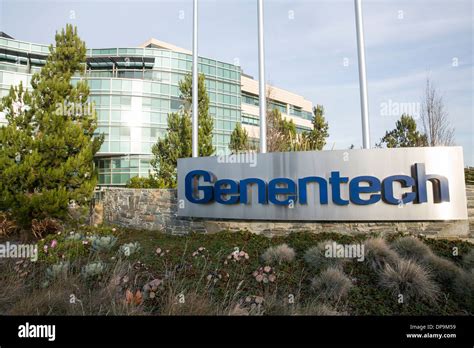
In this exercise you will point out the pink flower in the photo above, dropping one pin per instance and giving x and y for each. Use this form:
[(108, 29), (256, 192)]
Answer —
[(54, 243), (85, 242)]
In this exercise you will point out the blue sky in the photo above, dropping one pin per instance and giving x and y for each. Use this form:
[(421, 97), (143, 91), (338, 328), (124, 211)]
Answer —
[(310, 48)]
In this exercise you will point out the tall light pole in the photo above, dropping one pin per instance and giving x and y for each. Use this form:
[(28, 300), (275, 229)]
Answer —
[(364, 104), (195, 81), (261, 81)]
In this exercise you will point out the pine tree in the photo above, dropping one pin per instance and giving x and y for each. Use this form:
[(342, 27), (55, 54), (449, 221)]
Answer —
[(316, 138), (405, 134), (280, 132), (46, 157), (177, 143), (239, 139)]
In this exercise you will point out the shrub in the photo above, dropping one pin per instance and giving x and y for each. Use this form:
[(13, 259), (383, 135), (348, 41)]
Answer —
[(443, 270), (378, 254), (41, 228), (409, 279), (412, 248), (103, 243), (464, 289), (7, 225), (278, 254), (129, 248), (145, 183), (56, 271), (332, 284), (316, 258), (468, 260), (59, 269), (93, 270)]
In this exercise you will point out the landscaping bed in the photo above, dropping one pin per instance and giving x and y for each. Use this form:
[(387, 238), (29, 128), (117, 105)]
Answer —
[(110, 270)]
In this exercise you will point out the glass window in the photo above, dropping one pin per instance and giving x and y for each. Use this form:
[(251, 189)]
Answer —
[(146, 133), (175, 104), (146, 103), (174, 91), (126, 100), (103, 115), (117, 85), (146, 87), (165, 62), (116, 115), (115, 100), (94, 84), (114, 146), (126, 85), (165, 89), (155, 117), (114, 133), (125, 131), (124, 146), (146, 117), (116, 179)]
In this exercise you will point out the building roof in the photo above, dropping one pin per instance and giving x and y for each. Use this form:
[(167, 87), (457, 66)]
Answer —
[(154, 43), (2, 34)]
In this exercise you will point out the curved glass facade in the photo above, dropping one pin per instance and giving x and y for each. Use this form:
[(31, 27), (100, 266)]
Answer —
[(134, 90)]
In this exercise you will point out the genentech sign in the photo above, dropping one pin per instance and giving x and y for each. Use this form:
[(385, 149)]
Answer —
[(352, 185)]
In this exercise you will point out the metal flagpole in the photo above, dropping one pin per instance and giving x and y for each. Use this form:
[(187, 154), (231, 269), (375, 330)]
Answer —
[(261, 81), (364, 104), (195, 81)]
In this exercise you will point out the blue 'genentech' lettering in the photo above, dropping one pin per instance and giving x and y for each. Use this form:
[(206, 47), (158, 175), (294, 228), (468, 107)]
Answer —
[(228, 191)]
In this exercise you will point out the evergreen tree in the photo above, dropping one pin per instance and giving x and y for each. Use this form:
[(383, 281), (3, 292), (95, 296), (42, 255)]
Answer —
[(405, 134), (177, 143), (316, 138), (46, 156), (239, 139), (281, 133)]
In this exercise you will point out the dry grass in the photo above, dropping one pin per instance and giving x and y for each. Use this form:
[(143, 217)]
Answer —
[(409, 279), (7, 225), (464, 289), (332, 284), (468, 260), (279, 254), (316, 257), (378, 254), (443, 270), (41, 228), (412, 248)]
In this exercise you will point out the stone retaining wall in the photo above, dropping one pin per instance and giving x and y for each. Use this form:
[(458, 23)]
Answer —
[(154, 209)]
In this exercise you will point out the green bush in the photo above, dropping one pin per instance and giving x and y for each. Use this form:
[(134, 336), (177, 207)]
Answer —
[(146, 183)]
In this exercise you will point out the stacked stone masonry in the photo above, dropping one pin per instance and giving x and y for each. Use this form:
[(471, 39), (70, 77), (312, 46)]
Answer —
[(155, 209)]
